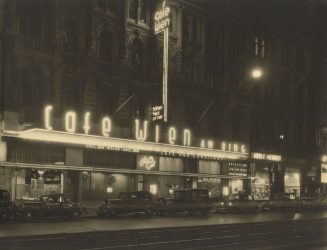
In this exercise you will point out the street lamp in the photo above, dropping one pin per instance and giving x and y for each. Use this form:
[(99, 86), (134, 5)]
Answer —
[(256, 73)]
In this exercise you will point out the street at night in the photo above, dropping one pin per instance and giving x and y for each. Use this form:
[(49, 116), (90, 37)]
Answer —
[(163, 124), (232, 231)]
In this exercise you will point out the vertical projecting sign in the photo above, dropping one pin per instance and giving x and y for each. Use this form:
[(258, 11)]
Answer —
[(161, 23)]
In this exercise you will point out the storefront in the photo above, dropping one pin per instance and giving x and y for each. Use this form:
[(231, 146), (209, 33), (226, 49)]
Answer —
[(323, 175), (37, 162), (263, 168)]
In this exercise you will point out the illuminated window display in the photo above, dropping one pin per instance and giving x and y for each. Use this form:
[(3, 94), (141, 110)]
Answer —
[(213, 184), (292, 180), (260, 184)]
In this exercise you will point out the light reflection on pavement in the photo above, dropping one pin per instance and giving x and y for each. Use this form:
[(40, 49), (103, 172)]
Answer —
[(57, 226)]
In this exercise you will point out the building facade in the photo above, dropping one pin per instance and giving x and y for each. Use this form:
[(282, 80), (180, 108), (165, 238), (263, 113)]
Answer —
[(79, 80)]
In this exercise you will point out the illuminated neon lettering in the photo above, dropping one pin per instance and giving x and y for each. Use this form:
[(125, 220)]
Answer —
[(141, 134), (187, 137), (171, 135), (161, 18), (86, 126), (202, 144), (70, 122), (106, 126), (47, 112), (157, 133), (235, 147), (243, 148)]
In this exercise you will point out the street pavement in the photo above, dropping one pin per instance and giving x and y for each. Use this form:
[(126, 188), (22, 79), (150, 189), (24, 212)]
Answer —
[(58, 226)]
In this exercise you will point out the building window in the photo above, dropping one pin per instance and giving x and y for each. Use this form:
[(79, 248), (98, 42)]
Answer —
[(137, 10), (70, 37), (71, 92), (30, 18), (259, 47), (106, 46), (110, 5), (107, 98), (137, 54)]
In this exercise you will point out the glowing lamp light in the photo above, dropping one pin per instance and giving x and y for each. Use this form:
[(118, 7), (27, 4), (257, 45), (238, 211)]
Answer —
[(225, 191), (171, 191), (153, 189), (110, 190), (256, 73)]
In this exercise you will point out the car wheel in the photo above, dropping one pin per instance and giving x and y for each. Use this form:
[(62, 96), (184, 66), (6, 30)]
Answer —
[(172, 212), (28, 216), (4, 216), (75, 214), (148, 212), (204, 212)]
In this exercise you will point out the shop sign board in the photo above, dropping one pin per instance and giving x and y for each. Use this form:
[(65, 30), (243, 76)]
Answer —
[(147, 162), (142, 132), (266, 157), (323, 173), (161, 18), (157, 113), (214, 180), (236, 168)]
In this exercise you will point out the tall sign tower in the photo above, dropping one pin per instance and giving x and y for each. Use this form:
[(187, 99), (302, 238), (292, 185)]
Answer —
[(162, 22)]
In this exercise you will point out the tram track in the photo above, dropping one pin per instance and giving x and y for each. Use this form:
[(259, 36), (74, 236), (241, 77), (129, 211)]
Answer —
[(262, 235)]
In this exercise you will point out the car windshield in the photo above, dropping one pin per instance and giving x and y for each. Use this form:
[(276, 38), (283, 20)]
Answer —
[(203, 194), (124, 196), (186, 194)]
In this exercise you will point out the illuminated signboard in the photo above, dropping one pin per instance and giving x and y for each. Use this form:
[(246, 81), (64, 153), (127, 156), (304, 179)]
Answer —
[(323, 173), (161, 18), (235, 168), (157, 113), (324, 158), (266, 157), (147, 162), (141, 133)]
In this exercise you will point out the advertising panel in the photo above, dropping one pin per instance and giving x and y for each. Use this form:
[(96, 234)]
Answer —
[(323, 173), (147, 162)]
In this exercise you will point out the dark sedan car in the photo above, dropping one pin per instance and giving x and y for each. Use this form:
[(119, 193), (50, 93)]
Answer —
[(190, 201), (128, 202), (7, 207), (238, 203), (52, 205)]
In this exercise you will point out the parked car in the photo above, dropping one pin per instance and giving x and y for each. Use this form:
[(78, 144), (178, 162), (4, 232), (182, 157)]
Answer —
[(7, 207), (188, 200), (282, 202), (128, 202), (238, 203), (52, 205)]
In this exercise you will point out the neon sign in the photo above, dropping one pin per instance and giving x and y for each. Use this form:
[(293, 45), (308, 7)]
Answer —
[(142, 132), (161, 18), (267, 157)]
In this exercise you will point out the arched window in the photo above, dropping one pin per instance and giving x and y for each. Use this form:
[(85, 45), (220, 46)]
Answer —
[(71, 37), (137, 54), (106, 46), (30, 18)]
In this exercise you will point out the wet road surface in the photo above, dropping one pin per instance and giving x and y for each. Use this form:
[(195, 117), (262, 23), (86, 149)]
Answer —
[(57, 226)]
